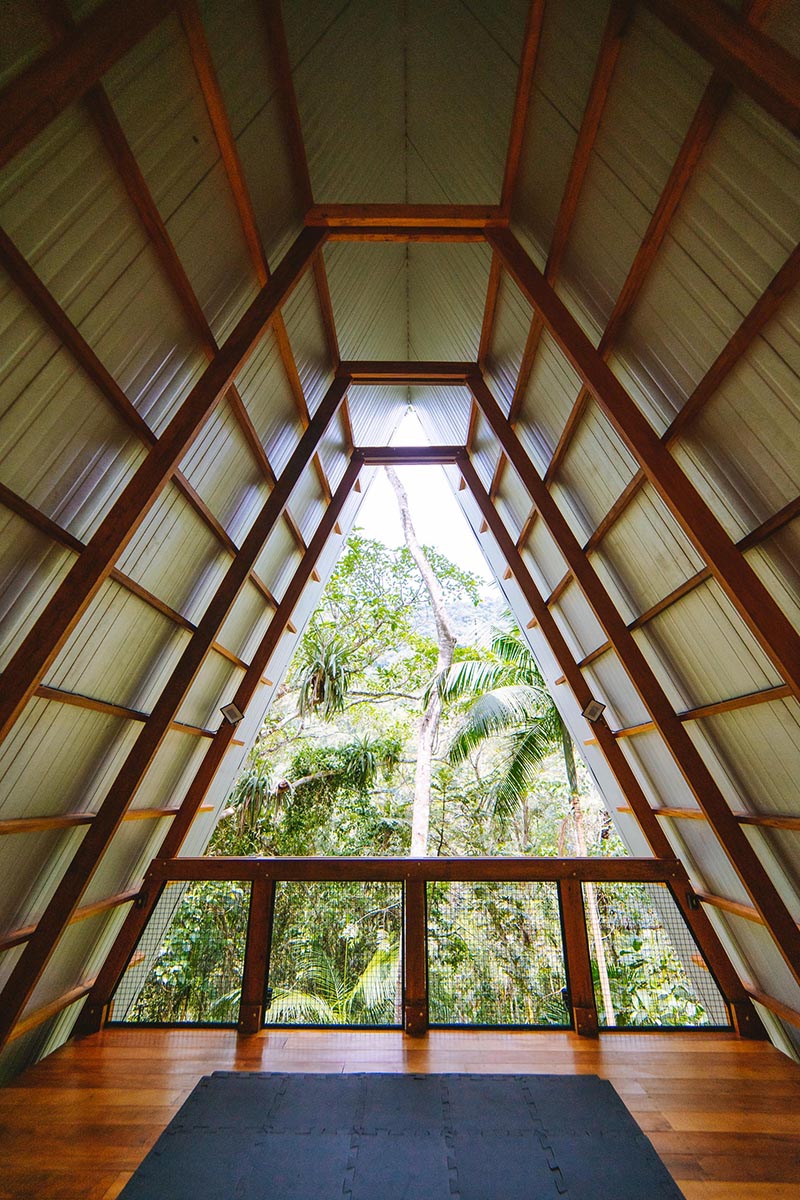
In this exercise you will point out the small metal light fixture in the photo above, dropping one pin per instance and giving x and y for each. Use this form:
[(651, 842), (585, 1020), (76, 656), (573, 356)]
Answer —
[(232, 713), (593, 711)]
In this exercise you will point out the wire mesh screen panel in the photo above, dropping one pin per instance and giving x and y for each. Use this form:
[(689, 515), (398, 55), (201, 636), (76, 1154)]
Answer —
[(646, 966), (336, 955), (187, 967), (495, 955)]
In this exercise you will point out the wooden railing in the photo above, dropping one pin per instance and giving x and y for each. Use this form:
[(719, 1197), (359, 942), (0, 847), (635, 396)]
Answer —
[(414, 873)]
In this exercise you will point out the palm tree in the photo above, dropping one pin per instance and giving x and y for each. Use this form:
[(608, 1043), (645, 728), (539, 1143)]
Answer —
[(510, 700), (334, 995)]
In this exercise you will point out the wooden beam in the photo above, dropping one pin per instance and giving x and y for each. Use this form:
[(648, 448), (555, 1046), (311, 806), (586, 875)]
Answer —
[(760, 612), (761, 820), (410, 455), (389, 869), (16, 937), (777, 1006), (402, 373), (751, 871), (68, 820), (522, 100), (579, 967), (38, 1017), (256, 956), (743, 1013), (73, 596), (67, 895), (752, 325), (361, 218), (404, 233), (129, 935), (610, 46), (64, 74), (415, 958), (750, 61)]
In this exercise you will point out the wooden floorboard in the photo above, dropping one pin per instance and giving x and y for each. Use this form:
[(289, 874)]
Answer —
[(724, 1114)]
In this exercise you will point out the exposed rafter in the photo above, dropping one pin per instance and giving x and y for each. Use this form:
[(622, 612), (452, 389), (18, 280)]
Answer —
[(67, 895), (137, 919), (71, 599), (763, 616), (753, 875)]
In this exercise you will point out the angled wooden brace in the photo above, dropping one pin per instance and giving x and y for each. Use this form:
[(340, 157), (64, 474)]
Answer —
[(93, 1013), (744, 1016), (733, 839), (93, 565), (762, 615), (67, 895)]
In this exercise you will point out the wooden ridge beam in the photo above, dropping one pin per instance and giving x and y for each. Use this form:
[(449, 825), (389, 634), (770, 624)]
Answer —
[(698, 922), (67, 894), (750, 61), (763, 616), (744, 859), (64, 74), (73, 596), (137, 919)]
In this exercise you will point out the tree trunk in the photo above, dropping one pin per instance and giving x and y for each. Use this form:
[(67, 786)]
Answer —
[(589, 892), (429, 724)]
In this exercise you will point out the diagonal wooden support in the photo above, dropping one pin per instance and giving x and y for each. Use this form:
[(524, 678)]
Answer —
[(748, 866), (750, 61), (744, 1015), (93, 1013), (67, 895), (43, 643), (762, 615), (65, 74)]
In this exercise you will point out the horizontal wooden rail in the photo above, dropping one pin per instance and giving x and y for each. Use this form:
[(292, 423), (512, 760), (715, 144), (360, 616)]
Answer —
[(767, 820), (410, 455), (406, 372), (69, 820), (412, 216), (774, 1005), (463, 870)]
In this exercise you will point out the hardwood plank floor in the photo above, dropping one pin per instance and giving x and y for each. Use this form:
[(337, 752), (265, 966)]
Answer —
[(724, 1114)]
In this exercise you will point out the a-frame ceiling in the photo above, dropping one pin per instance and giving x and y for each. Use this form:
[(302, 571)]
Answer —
[(212, 215)]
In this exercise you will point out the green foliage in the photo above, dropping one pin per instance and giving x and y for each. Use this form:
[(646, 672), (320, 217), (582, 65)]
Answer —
[(332, 773)]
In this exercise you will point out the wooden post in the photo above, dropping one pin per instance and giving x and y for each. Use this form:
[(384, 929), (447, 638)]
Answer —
[(579, 968), (256, 956), (415, 958)]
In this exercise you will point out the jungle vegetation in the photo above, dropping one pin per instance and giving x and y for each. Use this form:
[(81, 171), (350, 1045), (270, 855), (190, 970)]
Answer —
[(409, 656)]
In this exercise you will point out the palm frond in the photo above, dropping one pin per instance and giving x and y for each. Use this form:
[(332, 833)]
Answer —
[(529, 747), (292, 1004), (496, 712), (375, 985)]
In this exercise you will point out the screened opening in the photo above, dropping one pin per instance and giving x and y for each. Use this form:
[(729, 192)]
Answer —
[(336, 955), (187, 967), (649, 972), (495, 955)]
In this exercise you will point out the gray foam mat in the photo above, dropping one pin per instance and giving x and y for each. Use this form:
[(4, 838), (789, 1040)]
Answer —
[(248, 1136)]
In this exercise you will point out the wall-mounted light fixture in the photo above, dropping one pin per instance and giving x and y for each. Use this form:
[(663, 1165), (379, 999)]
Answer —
[(593, 711), (232, 713)]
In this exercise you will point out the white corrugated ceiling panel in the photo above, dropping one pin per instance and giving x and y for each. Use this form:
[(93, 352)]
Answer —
[(510, 328), (368, 292), (157, 98), (443, 413), (31, 568), (243, 58), (375, 413), (777, 562), (565, 64), (639, 138), (447, 284), (547, 401), (584, 492), (306, 329), (25, 38), (349, 80)]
